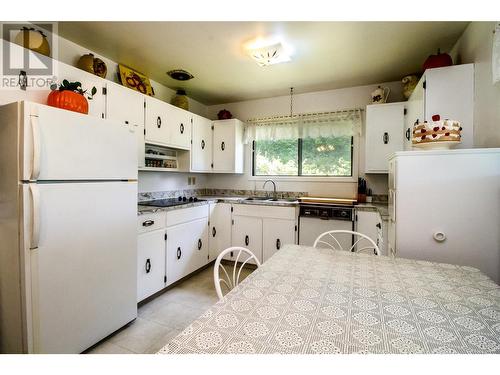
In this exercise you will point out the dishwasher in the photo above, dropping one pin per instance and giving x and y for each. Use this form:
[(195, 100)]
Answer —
[(317, 219)]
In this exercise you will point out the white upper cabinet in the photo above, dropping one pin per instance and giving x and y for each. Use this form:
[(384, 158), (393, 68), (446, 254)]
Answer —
[(167, 125), (97, 104), (228, 146), (156, 122), (127, 106), (180, 127), (384, 135), (201, 148), (448, 92)]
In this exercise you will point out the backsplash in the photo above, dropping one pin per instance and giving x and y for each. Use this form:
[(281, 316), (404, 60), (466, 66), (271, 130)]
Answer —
[(141, 197)]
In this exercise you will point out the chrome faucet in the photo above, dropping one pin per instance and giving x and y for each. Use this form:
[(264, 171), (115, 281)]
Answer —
[(275, 195)]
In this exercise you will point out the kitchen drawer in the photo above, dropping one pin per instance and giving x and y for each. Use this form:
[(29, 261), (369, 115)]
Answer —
[(273, 212), (148, 222), (183, 215)]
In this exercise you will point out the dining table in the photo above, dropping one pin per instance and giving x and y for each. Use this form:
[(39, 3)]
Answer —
[(306, 300)]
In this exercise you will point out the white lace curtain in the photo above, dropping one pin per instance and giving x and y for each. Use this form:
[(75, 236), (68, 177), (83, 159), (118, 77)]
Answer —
[(307, 125)]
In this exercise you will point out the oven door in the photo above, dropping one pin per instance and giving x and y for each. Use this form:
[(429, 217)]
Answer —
[(311, 227)]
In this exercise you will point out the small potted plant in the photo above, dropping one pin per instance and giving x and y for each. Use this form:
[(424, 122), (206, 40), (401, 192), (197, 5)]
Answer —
[(70, 96)]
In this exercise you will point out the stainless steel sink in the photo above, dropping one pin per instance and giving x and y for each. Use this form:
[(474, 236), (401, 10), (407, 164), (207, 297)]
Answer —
[(257, 199), (270, 200)]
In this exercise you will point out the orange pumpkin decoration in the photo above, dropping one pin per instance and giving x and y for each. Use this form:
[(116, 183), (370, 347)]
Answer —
[(70, 100)]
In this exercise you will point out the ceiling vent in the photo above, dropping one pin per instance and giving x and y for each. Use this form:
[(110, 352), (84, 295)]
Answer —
[(180, 75)]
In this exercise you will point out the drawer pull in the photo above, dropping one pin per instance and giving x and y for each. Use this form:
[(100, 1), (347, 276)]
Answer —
[(158, 122), (148, 223), (179, 253), (148, 265), (278, 244), (214, 231), (200, 244), (222, 146), (247, 240), (202, 144), (181, 128)]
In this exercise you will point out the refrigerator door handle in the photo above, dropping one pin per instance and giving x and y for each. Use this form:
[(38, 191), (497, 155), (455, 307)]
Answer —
[(35, 216), (35, 167)]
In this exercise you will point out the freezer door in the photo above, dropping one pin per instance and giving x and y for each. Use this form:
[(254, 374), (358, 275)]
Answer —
[(83, 262), (60, 145)]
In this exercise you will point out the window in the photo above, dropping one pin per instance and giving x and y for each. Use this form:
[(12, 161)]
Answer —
[(314, 157)]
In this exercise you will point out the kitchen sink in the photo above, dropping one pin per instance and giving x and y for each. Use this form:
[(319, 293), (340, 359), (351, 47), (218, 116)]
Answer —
[(257, 199), (267, 199)]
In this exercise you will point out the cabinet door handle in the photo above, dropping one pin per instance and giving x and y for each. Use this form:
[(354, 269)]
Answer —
[(158, 122), (222, 146), (386, 138), (202, 144), (247, 240), (179, 253), (200, 244), (278, 244), (408, 134), (181, 128), (148, 223), (148, 265), (379, 226), (214, 231), (126, 122)]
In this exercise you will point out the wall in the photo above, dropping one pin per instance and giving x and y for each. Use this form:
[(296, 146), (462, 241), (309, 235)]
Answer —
[(475, 46), (330, 100)]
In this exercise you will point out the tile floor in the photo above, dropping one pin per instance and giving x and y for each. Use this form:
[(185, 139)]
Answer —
[(164, 317)]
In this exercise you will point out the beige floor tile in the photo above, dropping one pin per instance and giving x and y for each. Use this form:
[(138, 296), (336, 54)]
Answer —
[(139, 335), (109, 348), (175, 315), (160, 343)]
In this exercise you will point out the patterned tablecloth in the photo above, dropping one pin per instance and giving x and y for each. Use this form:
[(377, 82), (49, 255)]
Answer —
[(306, 300)]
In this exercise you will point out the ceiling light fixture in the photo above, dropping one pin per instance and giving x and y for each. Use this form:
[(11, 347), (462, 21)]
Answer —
[(180, 75), (267, 52)]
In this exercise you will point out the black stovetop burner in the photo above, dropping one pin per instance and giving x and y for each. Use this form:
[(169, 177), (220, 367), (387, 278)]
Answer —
[(169, 202)]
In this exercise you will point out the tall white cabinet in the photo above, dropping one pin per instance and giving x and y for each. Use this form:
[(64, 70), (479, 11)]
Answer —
[(447, 91)]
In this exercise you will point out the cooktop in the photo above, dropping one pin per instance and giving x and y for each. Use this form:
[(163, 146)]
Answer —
[(169, 202)]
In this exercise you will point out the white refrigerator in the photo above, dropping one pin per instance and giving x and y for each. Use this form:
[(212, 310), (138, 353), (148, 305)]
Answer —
[(68, 239), (444, 206)]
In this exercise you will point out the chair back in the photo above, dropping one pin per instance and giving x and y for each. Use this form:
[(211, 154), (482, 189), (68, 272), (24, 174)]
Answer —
[(231, 279), (361, 243)]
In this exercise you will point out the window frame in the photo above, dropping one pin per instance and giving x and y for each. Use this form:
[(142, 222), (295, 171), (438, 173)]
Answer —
[(299, 177)]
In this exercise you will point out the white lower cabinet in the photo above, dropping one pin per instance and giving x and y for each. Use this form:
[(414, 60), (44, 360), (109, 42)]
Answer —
[(219, 235), (247, 232), (263, 229), (150, 254), (187, 241), (150, 263), (369, 223), (275, 234)]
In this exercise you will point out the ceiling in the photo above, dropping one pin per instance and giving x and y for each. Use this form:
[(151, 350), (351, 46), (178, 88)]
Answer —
[(327, 55)]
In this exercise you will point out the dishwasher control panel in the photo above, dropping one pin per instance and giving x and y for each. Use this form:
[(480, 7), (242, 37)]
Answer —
[(327, 212)]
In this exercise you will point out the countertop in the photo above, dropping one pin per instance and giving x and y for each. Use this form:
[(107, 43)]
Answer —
[(380, 207)]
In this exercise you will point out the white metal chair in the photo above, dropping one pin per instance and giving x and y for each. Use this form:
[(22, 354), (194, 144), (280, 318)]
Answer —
[(330, 240), (235, 280)]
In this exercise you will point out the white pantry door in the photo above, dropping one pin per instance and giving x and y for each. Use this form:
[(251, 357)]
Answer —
[(83, 262)]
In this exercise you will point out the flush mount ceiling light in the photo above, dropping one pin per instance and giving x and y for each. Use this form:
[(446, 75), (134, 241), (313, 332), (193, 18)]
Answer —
[(267, 53), (180, 75)]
